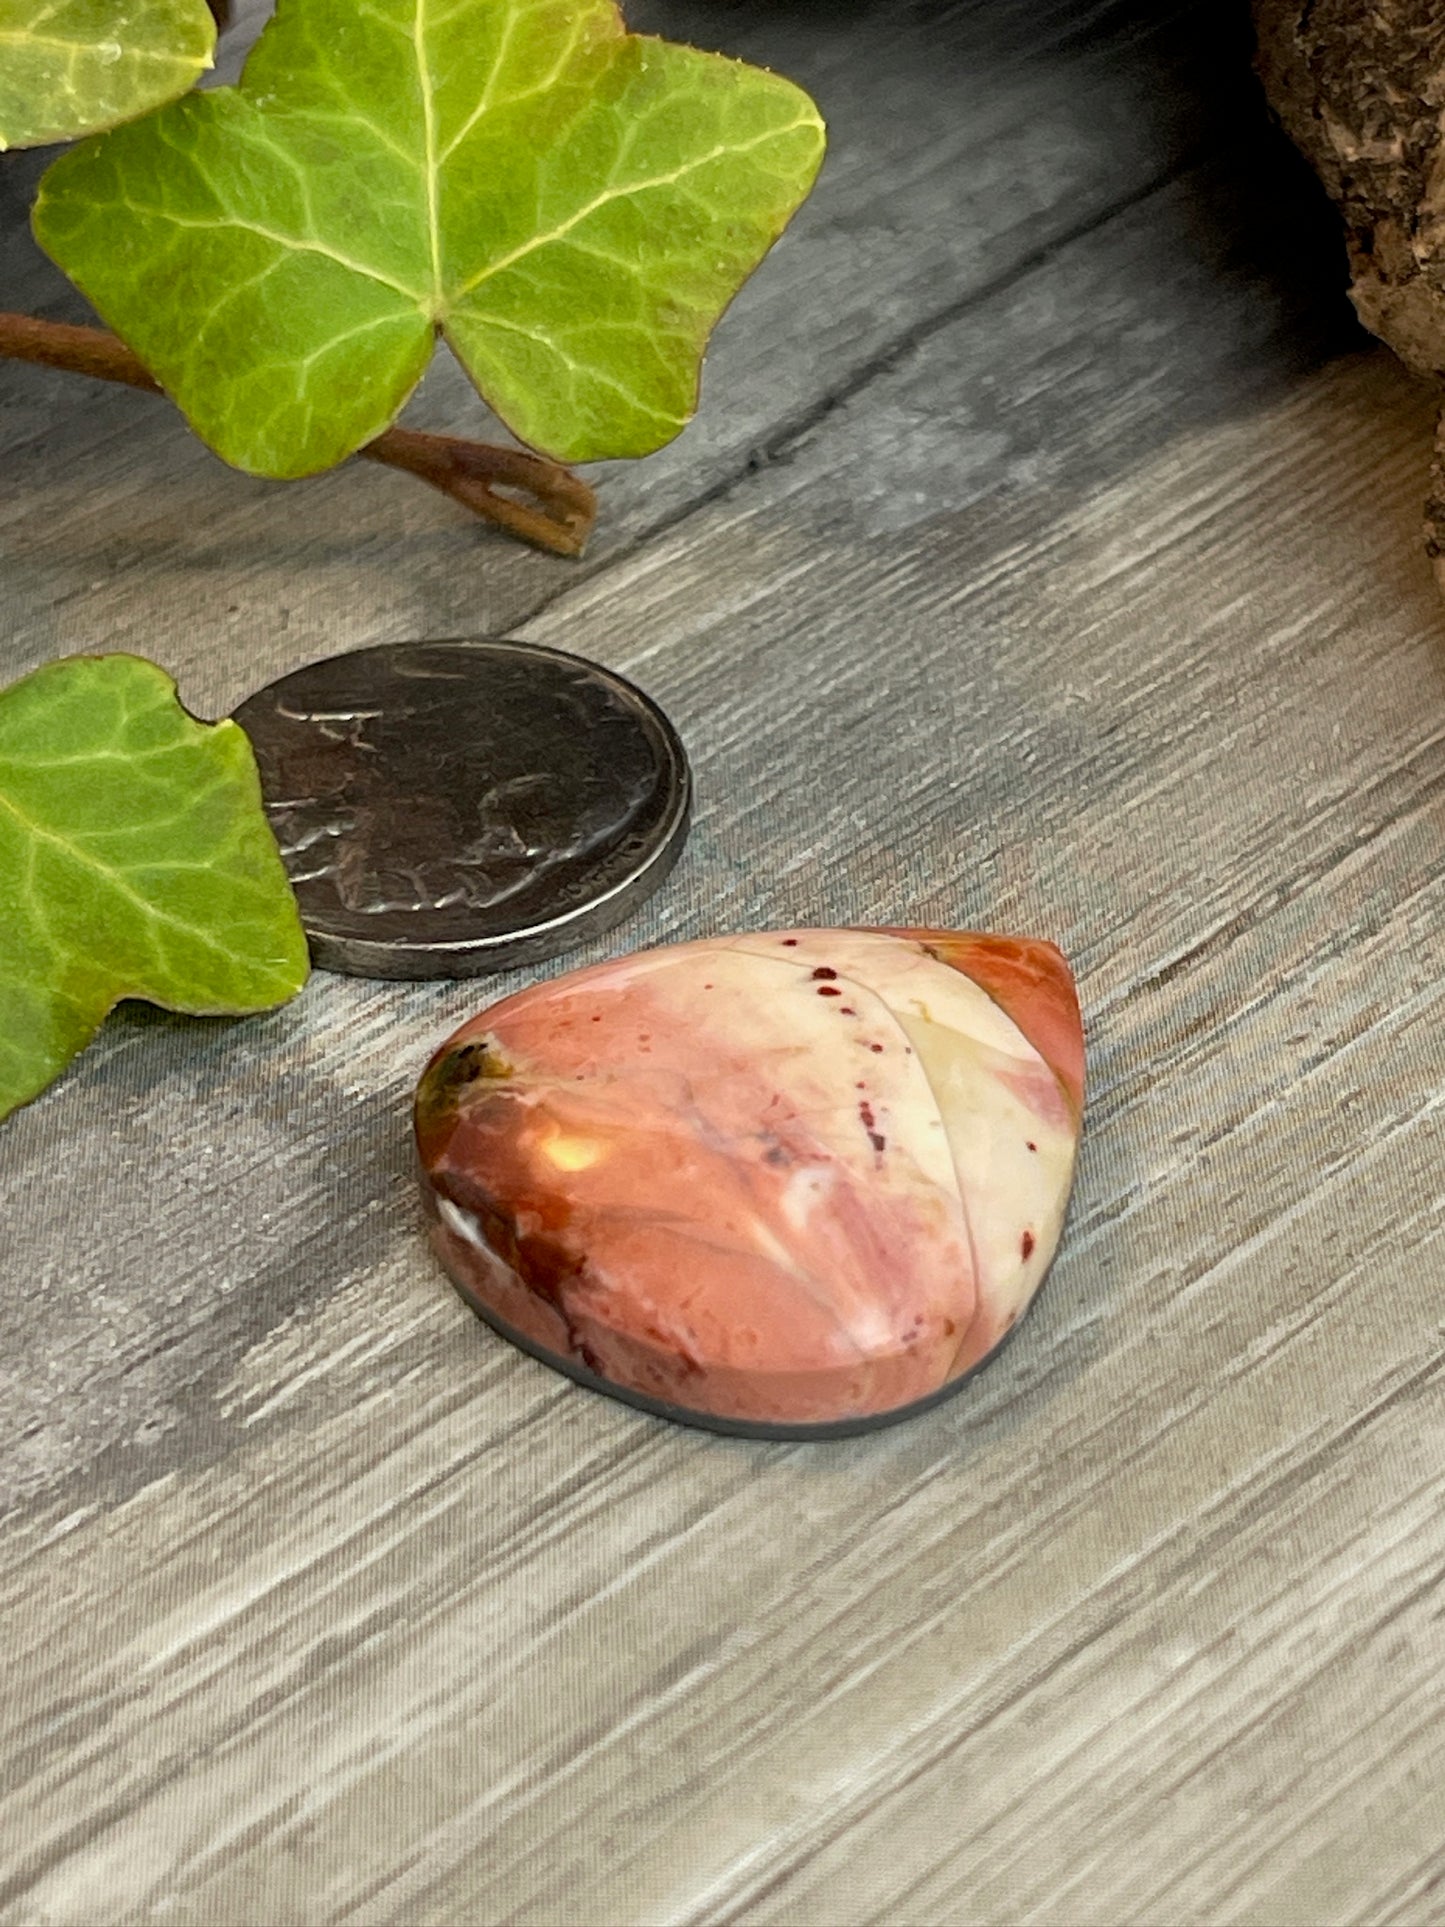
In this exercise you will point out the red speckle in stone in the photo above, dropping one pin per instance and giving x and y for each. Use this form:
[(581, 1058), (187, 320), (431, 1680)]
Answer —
[(876, 1047), (865, 1111), (598, 1018), (846, 1010), (790, 943), (1027, 1247), (824, 975), (828, 990)]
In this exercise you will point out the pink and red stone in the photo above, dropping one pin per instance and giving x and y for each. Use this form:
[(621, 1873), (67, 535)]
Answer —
[(777, 1182)]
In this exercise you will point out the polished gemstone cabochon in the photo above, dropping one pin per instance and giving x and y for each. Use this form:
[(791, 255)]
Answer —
[(790, 1184)]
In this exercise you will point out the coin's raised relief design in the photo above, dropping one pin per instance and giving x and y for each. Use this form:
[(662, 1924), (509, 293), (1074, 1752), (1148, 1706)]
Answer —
[(450, 807)]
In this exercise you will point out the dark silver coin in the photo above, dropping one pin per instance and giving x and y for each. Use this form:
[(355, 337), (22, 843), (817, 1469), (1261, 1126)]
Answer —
[(447, 808)]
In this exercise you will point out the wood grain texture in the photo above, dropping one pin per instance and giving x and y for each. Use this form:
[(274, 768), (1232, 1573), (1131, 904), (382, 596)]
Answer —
[(1080, 594)]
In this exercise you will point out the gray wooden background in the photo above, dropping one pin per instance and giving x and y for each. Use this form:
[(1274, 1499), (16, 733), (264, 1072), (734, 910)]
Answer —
[(1045, 558)]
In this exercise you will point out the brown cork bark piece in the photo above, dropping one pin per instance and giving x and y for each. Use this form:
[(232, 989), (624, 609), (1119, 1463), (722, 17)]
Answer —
[(1360, 88)]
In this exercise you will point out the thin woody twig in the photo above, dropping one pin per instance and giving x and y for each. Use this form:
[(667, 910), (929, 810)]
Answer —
[(558, 516)]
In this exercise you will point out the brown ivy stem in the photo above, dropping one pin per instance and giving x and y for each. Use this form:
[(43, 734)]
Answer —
[(558, 516)]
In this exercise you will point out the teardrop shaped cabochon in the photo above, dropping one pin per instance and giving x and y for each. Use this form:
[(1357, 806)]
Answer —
[(793, 1184)]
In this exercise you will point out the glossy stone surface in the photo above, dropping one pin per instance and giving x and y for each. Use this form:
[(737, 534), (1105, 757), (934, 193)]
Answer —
[(805, 1179)]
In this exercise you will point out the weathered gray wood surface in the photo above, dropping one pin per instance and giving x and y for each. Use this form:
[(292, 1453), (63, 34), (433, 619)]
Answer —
[(1046, 558)]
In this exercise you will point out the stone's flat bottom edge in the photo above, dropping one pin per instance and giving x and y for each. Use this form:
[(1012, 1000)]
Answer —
[(739, 1428)]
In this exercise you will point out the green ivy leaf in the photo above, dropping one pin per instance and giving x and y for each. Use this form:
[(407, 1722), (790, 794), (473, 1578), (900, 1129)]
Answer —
[(71, 67), (570, 205), (135, 861)]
